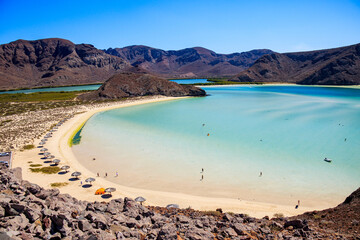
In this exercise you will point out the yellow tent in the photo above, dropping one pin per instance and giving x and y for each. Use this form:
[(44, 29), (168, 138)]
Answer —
[(100, 191)]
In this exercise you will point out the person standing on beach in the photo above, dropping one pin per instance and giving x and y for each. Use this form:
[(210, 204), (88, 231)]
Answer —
[(98, 174), (105, 174), (117, 174)]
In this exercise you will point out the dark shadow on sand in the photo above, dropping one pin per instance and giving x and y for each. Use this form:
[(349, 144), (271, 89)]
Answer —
[(86, 185), (73, 179), (62, 173), (106, 196), (47, 161)]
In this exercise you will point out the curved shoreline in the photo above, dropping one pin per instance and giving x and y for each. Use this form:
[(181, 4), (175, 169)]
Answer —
[(58, 146)]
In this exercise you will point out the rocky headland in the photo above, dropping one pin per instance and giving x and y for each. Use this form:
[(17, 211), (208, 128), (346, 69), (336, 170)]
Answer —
[(135, 84), (337, 66), (28, 211)]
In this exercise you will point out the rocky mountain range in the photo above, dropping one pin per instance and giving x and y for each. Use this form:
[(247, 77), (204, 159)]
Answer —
[(136, 84), (194, 62), (338, 66), (58, 62), (54, 62)]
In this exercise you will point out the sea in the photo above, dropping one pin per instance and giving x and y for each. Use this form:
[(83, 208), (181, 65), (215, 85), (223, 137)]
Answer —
[(264, 143)]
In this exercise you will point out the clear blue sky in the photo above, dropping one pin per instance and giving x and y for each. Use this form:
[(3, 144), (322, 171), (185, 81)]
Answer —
[(224, 26)]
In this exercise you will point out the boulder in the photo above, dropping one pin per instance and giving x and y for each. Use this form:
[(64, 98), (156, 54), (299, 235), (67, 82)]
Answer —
[(168, 231)]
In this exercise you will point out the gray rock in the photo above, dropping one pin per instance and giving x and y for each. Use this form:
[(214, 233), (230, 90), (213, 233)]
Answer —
[(198, 234), (33, 188), (168, 231), (183, 219), (229, 233), (294, 223), (17, 173), (240, 229), (2, 212), (32, 214), (228, 217), (84, 225)]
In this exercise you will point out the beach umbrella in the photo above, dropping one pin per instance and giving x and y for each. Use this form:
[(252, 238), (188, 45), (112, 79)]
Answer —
[(76, 174), (56, 161), (140, 200), (51, 156), (44, 140), (172, 206), (90, 180), (41, 143), (100, 191), (65, 168), (46, 153), (43, 150), (110, 190)]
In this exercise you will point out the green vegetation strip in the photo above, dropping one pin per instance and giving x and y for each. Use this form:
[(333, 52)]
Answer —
[(28, 147), (75, 136), (39, 96), (35, 165), (46, 170), (59, 184)]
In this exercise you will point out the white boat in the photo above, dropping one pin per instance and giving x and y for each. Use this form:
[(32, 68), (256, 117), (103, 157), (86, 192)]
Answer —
[(327, 160)]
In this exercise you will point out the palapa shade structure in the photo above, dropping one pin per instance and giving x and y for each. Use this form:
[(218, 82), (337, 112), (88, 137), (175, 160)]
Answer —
[(56, 161), (90, 180), (172, 206), (76, 174), (110, 190), (65, 168), (140, 200)]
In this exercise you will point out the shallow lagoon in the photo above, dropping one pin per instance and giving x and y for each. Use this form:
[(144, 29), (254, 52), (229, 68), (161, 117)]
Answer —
[(284, 132)]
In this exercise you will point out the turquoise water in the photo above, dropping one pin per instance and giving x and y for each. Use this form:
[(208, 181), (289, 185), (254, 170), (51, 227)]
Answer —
[(189, 81), (284, 132), (56, 89)]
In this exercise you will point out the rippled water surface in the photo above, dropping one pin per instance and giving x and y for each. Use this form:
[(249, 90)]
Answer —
[(235, 133)]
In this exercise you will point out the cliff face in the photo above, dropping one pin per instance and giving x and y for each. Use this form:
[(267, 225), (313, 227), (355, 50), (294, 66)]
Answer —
[(132, 84), (189, 62), (53, 62), (338, 66)]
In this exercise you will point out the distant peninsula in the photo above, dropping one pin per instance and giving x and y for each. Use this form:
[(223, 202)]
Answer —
[(136, 84)]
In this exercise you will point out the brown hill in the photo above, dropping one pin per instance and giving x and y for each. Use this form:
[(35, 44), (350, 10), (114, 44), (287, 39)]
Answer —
[(54, 62), (343, 219), (131, 84), (189, 62), (338, 66)]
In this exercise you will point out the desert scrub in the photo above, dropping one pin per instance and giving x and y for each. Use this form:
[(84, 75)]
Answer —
[(212, 213), (28, 147), (59, 184), (35, 165), (46, 170), (278, 215)]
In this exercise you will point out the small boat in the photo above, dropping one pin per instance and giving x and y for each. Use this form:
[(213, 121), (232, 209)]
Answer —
[(327, 160)]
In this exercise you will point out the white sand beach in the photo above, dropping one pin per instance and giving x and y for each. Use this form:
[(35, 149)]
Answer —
[(58, 146)]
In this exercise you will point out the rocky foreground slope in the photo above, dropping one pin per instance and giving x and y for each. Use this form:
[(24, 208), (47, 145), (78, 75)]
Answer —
[(28, 211), (135, 84), (338, 66)]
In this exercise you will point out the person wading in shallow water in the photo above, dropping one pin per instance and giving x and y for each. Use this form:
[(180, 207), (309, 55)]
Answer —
[(298, 205)]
